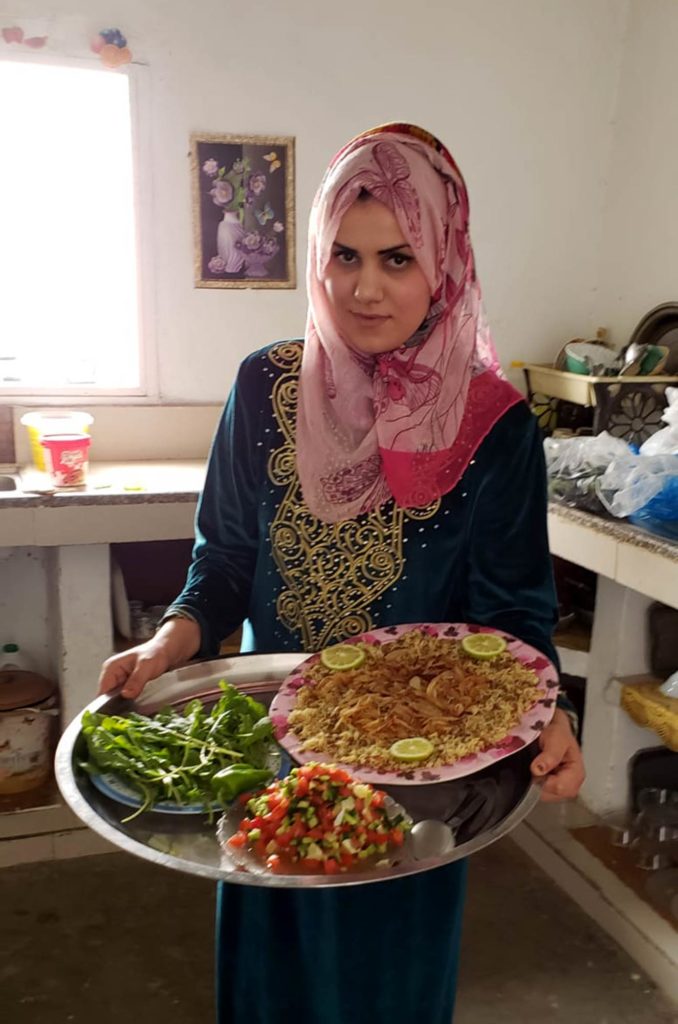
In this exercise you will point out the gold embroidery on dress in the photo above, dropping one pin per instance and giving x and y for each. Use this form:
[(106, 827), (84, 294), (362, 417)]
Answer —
[(333, 572)]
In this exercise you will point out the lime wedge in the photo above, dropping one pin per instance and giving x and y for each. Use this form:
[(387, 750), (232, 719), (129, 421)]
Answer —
[(483, 645), (415, 749), (342, 657)]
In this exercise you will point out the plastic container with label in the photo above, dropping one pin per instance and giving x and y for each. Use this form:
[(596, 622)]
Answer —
[(67, 458), (54, 421)]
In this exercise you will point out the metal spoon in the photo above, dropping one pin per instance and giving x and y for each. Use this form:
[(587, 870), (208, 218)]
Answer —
[(431, 838)]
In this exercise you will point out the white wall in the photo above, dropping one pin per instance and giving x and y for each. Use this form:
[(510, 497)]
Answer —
[(24, 607), (639, 256), (522, 92)]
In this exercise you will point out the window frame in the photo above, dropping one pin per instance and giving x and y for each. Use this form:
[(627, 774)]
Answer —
[(147, 391)]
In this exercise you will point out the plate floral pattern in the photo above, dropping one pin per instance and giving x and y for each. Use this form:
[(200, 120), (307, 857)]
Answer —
[(523, 733)]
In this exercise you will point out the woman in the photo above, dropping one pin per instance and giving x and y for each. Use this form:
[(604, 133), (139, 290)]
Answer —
[(382, 471)]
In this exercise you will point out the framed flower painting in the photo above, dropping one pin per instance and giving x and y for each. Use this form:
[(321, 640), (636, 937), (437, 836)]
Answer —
[(243, 211)]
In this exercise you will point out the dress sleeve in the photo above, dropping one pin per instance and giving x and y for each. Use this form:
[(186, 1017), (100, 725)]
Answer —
[(509, 571), (219, 582)]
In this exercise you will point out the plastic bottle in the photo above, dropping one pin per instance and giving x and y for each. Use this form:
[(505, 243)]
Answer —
[(11, 657)]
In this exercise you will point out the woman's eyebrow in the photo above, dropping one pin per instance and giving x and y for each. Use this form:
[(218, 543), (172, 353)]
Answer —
[(381, 252)]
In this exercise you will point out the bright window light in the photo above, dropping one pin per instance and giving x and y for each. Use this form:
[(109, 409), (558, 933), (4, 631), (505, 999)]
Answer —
[(69, 311)]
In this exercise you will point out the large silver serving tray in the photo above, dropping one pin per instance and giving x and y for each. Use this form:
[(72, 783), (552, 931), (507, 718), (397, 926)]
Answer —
[(189, 843)]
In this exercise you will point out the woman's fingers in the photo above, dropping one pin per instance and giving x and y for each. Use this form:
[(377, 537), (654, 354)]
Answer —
[(132, 670), (147, 667), (565, 782), (560, 763), (115, 671)]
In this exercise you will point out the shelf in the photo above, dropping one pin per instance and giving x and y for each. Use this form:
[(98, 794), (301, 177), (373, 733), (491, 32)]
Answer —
[(552, 836)]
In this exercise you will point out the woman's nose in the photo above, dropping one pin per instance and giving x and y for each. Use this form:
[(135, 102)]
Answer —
[(368, 286)]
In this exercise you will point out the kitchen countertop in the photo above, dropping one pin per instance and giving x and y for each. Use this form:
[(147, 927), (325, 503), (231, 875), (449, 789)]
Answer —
[(175, 485), (111, 483), (617, 529)]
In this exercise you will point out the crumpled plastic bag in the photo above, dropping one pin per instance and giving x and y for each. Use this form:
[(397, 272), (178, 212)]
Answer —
[(632, 482), (665, 441), (574, 456), (574, 464)]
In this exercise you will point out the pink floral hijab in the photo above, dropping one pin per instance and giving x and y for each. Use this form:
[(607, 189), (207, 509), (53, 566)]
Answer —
[(407, 423)]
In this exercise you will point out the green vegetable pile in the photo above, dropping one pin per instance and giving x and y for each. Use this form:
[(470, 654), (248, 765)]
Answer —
[(188, 757)]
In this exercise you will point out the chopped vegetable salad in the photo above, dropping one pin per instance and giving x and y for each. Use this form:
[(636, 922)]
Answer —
[(320, 819)]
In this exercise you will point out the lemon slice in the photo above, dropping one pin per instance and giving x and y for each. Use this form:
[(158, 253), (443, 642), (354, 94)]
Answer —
[(415, 749), (483, 645), (342, 657)]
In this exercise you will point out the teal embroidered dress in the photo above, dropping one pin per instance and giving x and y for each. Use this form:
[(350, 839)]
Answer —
[(384, 953)]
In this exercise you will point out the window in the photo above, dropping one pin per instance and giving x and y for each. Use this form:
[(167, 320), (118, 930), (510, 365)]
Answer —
[(69, 293)]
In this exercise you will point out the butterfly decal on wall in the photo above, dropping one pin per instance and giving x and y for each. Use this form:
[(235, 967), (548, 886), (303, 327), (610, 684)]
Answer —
[(263, 216), (272, 161)]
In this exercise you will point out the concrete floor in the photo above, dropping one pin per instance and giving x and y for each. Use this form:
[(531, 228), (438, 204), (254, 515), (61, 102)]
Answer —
[(113, 940)]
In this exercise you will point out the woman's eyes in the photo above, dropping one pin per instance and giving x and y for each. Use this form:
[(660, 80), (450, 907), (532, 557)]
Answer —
[(396, 260), (346, 258), (399, 259)]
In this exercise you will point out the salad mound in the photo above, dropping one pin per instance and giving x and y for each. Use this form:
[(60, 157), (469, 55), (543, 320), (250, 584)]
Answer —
[(318, 819), (198, 755)]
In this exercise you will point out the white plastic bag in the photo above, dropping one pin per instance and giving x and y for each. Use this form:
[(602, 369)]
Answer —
[(665, 441), (577, 456), (632, 481)]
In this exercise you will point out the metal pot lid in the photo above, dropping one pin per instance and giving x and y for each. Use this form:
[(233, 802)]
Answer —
[(19, 689), (660, 327)]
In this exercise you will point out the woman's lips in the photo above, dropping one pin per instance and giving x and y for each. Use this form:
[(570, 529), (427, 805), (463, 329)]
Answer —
[(370, 319)]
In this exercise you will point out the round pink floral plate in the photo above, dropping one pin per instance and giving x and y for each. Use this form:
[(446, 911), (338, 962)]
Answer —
[(522, 734)]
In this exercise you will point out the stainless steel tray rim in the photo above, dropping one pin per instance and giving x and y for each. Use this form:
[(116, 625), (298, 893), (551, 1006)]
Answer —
[(239, 670)]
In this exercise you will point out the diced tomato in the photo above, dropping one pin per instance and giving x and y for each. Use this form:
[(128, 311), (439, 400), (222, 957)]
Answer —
[(347, 859), (331, 866), (396, 836), (316, 833), (298, 830), (260, 847), (378, 798), (275, 816), (359, 805), (285, 839), (311, 864), (339, 775), (238, 840), (274, 863), (278, 801), (376, 838), (249, 823), (302, 786)]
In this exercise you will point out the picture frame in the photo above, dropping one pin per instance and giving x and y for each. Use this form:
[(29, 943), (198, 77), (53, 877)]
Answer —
[(243, 210)]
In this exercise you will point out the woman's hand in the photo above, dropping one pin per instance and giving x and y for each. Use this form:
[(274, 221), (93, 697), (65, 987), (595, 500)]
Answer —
[(175, 642), (560, 763)]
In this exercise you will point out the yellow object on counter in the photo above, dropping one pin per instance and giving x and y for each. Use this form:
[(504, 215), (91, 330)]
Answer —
[(643, 702)]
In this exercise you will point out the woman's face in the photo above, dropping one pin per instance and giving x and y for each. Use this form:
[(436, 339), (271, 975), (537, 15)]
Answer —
[(376, 289)]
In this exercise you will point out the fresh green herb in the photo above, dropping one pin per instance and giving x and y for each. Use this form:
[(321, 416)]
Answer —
[(188, 757)]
